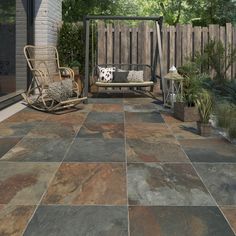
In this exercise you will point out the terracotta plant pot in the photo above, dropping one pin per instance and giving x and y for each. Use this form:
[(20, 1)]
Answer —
[(184, 113), (204, 129)]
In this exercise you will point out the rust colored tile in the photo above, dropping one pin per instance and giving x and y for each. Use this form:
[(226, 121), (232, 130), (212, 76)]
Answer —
[(169, 118), (107, 131), (6, 144), (138, 150), (108, 108), (24, 183), (25, 116), (149, 132), (178, 221), (185, 130), (54, 130), (230, 214), (88, 184), (14, 219), (70, 118)]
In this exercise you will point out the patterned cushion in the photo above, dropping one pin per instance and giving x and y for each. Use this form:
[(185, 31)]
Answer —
[(120, 77), (60, 91), (135, 76), (106, 74)]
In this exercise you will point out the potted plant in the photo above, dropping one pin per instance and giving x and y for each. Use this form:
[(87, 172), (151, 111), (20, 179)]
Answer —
[(185, 107), (226, 120), (205, 107)]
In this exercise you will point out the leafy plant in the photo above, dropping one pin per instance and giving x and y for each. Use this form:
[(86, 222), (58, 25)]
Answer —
[(226, 117), (70, 45), (192, 84), (205, 106)]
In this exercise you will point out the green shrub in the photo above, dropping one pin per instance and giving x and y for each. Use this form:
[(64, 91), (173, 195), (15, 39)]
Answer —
[(71, 45), (226, 117)]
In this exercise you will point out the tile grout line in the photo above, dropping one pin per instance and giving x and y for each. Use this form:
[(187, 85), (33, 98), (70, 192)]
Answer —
[(50, 181), (126, 174), (216, 204)]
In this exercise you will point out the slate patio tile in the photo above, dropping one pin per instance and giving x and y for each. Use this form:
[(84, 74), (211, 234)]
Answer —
[(220, 179), (27, 115), (130, 99), (179, 221), (96, 150), (74, 117), (185, 130), (17, 129), (209, 150), (14, 219), (149, 132), (105, 117), (138, 150), (88, 184), (24, 183), (230, 214), (169, 118), (145, 117), (54, 130), (166, 185), (105, 100), (6, 144), (79, 220), (38, 150), (149, 107), (104, 130), (108, 108)]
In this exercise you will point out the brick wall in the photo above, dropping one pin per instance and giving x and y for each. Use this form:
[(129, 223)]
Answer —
[(48, 16)]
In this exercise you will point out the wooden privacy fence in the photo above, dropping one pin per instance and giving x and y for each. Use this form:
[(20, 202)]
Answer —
[(121, 44)]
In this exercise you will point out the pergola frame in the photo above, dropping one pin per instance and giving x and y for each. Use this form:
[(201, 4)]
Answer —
[(158, 52)]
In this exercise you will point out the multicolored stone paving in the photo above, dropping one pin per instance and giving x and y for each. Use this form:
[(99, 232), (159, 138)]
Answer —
[(121, 165)]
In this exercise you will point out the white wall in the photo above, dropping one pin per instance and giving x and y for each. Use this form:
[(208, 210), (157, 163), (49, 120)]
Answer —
[(48, 17)]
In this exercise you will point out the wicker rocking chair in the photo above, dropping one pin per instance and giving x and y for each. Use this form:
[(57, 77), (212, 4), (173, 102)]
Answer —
[(52, 87)]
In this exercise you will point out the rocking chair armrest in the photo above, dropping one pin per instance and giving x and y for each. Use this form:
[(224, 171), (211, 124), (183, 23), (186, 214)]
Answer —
[(71, 72)]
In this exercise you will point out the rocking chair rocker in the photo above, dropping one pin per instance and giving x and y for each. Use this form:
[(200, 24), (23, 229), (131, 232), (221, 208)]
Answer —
[(48, 91)]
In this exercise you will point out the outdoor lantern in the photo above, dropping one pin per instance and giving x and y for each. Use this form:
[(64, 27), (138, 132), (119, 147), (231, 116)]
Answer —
[(173, 87)]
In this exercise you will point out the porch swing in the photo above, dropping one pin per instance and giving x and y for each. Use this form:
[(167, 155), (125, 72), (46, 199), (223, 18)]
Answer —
[(119, 75)]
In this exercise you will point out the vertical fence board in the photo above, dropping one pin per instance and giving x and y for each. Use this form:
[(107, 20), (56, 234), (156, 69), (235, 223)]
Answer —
[(222, 40), (172, 46), (234, 48), (125, 45), (197, 39), (116, 42), (134, 46), (164, 49), (228, 47), (178, 45), (109, 44), (101, 43)]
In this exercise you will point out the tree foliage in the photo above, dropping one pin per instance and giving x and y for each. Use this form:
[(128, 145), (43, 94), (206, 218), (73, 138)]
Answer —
[(198, 12)]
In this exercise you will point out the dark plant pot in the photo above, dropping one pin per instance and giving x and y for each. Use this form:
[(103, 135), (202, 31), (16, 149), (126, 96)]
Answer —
[(184, 113), (204, 129)]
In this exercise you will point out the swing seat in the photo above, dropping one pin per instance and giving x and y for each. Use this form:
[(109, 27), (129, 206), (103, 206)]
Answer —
[(145, 82), (128, 84)]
